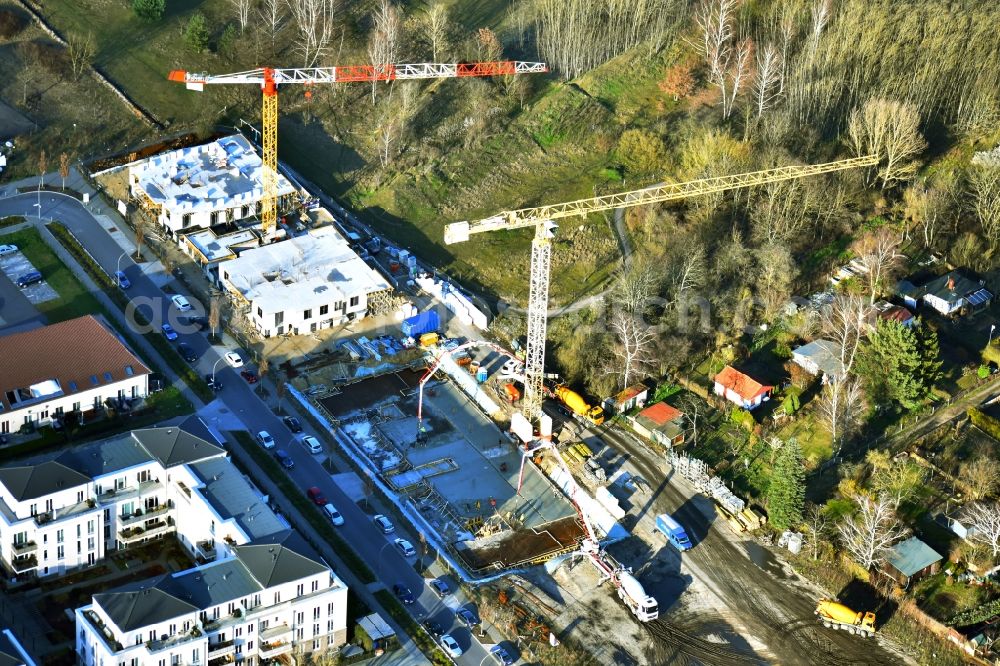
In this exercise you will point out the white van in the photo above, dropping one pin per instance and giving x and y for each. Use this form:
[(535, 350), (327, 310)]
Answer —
[(333, 514)]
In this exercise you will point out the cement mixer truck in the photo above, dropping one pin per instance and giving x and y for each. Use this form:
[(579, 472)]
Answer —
[(630, 591), (838, 616), (575, 402)]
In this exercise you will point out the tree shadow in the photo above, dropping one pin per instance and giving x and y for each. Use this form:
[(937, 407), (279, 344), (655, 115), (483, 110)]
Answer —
[(861, 596)]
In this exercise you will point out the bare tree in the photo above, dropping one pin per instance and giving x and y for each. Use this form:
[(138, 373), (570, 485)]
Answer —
[(840, 407), (43, 164), (715, 21), (436, 26), (787, 28), (273, 16), (890, 130), (63, 168), (213, 316), (634, 287), (767, 82), (81, 50), (242, 9), (631, 355), (984, 191), (139, 222), (981, 476), (879, 253), (686, 273), (985, 521), (896, 479), (262, 368), (870, 533), (927, 208), (383, 42), (387, 131), (314, 20), (820, 16), (818, 522)]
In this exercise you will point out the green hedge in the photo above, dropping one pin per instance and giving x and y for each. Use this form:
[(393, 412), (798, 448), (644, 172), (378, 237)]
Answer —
[(988, 424), (296, 496), (982, 613), (103, 280), (420, 637)]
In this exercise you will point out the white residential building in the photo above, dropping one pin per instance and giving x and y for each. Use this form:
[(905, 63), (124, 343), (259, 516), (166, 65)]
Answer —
[(72, 366), (70, 511), (203, 186), (271, 601), (302, 284)]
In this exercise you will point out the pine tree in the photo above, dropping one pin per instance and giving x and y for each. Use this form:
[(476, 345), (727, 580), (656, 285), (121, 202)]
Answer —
[(900, 363), (149, 10), (787, 491), (196, 34)]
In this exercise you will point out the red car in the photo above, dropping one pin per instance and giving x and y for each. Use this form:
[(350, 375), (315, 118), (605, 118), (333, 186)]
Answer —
[(316, 495), (249, 375)]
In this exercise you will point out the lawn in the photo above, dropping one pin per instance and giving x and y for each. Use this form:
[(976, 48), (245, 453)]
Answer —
[(815, 440), (942, 600), (74, 300)]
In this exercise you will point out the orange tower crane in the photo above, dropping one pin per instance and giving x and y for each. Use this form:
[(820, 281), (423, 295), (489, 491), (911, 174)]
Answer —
[(269, 79)]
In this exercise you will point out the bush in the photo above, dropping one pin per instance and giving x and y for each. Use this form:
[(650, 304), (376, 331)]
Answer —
[(11, 23), (149, 10), (988, 424), (51, 57)]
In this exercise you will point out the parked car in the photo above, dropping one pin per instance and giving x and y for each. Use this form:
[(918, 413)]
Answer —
[(450, 646), (405, 547), (199, 322), (433, 628), (28, 279), (334, 515), (440, 588), (234, 359), (265, 439), (123, 282), (180, 302), (293, 424), (501, 656), (316, 495), (312, 444), (403, 593), (249, 375), (213, 383), (467, 617), (168, 332), (7, 249), (187, 352), (383, 524), (284, 459)]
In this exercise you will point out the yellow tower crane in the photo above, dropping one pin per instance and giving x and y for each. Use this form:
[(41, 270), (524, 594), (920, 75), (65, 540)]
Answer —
[(269, 79), (543, 219)]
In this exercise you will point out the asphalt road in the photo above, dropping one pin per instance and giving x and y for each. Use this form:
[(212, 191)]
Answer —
[(371, 545)]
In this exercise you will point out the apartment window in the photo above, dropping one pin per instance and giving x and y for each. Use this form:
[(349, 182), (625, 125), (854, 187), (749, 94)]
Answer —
[(175, 660), (60, 552), (323, 309), (59, 536), (300, 590), (329, 625), (108, 377), (316, 613), (300, 634), (90, 543), (315, 644), (119, 483), (329, 608), (34, 509), (355, 300), (79, 496), (76, 406), (79, 529), (260, 312), (48, 506), (90, 527), (315, 586), (21, 537), (279, 318), (129, 371), (277, 598), (45, 555), (316, 630), (301, 620), (307, 314), (245, 211), (186, 220), (143, 476), (249, 646)]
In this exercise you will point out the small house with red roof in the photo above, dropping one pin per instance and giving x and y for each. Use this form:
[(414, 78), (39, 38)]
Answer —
[(661, 423), (741, 389), (890, 312), (633, 396)]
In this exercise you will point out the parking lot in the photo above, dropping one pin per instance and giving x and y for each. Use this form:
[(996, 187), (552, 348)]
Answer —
[(14, 266)]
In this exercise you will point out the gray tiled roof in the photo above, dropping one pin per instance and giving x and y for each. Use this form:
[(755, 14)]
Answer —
[(276, 564), (174, 446), (33, 481), (232, 496), (211, 584), (141, 604), (913, 555), (106, 457)]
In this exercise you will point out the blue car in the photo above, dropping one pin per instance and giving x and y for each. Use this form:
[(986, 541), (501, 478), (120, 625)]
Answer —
[(29, 279), (123, 282), (284, 459), (168, 332)]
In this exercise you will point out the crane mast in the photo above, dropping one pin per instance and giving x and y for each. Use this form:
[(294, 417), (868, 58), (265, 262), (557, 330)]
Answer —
[(270, 78), (542, 218)]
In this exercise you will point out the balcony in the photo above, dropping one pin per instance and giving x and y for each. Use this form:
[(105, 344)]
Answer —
[(205, 550), (268, 650), (22, 564), (135, 534), (167, 641), (143, 514), (103, 630), (221, 661), (216, 650), (277, 632), (222, 622), (115, 495), (24, 547), (281, 660)]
